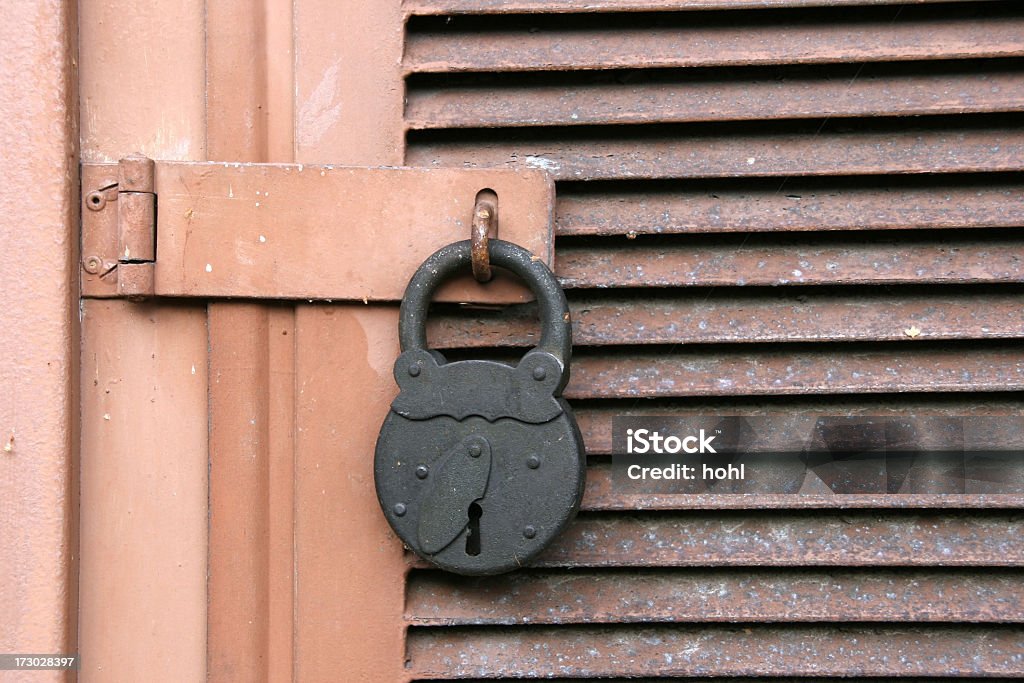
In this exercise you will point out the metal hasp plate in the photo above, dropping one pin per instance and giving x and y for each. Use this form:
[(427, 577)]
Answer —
[(480, 465), (289, 231)]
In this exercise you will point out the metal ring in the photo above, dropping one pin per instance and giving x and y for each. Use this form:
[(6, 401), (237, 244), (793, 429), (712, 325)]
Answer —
[(484, 216), (556, 330)]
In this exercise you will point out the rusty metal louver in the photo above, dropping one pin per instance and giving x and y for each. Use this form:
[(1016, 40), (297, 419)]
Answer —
[(804, 206)]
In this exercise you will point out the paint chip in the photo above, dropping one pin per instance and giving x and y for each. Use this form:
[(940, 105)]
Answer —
[(106, 416), (912, 331), (263, 238), (209, 268), (751, 160), (9, 446)]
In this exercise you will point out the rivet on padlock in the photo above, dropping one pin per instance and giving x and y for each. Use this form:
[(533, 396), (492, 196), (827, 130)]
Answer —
[(452, 448)]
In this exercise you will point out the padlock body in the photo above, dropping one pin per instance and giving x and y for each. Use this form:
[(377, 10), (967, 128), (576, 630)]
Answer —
[(532, 489)]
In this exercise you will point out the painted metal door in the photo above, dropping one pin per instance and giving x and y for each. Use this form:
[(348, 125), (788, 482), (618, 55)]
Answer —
[(788, 206)]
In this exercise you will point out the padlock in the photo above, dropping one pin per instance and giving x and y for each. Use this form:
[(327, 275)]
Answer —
[(479, 464)]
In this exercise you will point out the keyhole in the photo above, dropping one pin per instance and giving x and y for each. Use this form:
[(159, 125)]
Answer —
[(473, 537)]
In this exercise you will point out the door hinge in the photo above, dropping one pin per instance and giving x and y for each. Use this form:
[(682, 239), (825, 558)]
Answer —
[(293, 231), (119, 228)]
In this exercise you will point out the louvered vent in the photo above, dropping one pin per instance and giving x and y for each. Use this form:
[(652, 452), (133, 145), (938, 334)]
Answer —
[(792, 206)]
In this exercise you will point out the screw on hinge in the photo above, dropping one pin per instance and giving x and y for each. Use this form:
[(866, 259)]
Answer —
[(95, 200), (93, 264)]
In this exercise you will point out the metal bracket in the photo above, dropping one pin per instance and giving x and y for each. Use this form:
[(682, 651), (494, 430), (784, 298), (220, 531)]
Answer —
[(289, 231)]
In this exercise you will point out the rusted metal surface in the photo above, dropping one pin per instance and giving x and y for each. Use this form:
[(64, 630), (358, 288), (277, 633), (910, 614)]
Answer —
[(791, 538), (724, 150), (854, 91), (324, 232), (890, 203), (431, 7), (811, 370), (485, 221), (752, 262), (710, 595), (719, 650), (715, 40), (793, 150), (39, 334), (605, 493), (596, 418), (727, 318)]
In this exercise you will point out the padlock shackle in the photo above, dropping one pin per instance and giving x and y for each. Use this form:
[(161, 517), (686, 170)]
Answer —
[(556, 330)]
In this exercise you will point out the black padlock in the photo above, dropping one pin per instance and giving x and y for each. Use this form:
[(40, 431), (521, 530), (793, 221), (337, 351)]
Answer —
[(480, 465)]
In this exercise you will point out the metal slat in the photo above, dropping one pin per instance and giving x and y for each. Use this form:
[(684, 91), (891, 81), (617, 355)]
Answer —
[(733, 152), (719, 100), (892, 203), (714, 595), (723, 41), (801, 412), (761, 263), (605, 494), (789, 538), (715, 318), (814, 370), (455, 7), (717, 650)]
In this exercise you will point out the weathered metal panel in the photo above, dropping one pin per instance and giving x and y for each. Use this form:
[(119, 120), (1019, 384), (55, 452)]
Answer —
[(801, 204), (837, 261), (595, 417), (728, 318), (924, 317), (755, 650), (328, 232), (744, 96), (443, 7), (729, 39), (813, 370), (711, 595), (791, 538), (933, 145)]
